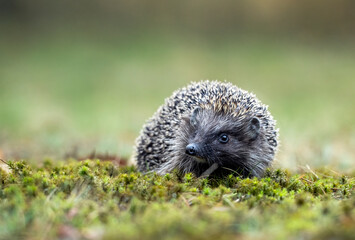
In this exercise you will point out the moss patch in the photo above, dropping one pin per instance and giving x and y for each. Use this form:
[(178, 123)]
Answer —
[(93, 199)]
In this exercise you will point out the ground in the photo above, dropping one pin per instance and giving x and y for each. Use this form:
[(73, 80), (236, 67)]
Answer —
[(93, 199), (72, 95)]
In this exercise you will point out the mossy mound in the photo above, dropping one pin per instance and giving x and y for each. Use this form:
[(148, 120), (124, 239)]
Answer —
[(96, 200)]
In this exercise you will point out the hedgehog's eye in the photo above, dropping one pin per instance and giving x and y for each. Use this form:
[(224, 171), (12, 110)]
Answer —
[(223, 138)]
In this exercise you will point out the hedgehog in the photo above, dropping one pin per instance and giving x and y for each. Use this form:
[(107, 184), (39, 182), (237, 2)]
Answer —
[(208, 128)]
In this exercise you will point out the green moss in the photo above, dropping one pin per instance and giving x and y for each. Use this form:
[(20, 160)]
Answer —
[(93, 197)]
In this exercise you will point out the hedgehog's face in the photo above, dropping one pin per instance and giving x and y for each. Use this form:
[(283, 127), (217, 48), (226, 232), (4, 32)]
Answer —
[(218, 138)]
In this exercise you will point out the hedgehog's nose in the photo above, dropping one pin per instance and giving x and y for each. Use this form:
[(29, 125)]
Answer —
[(191, 149)]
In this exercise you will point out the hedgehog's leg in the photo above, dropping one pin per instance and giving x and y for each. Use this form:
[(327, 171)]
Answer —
[(209, 170)]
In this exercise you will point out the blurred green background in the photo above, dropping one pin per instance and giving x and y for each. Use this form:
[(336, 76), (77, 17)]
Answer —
[(78, 77)]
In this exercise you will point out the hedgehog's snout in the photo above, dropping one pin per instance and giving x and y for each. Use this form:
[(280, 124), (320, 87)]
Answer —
[(194, 150), (191, 149)]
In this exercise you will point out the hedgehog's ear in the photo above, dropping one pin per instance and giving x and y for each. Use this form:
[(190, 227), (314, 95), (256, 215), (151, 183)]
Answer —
[(193, 117), (254, 129)]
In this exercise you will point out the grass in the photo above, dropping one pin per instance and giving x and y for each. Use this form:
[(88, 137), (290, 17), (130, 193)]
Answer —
[(70, 95), (98, 200)]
